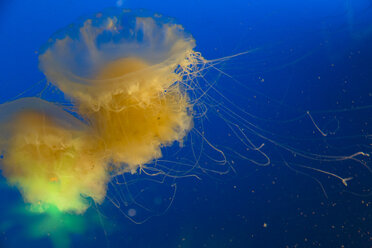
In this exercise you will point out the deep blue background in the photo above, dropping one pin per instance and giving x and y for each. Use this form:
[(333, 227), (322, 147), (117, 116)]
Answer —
[(311, 55)]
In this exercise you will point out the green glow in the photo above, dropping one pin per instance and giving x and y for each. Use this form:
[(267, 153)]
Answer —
[(38, 222), (57, 225)]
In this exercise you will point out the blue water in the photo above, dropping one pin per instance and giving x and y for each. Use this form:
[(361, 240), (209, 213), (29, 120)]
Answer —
[(311, 56)]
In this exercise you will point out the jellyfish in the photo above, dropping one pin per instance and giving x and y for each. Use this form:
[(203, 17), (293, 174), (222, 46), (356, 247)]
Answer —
[(124, 72), (119, 70), (136, 86)]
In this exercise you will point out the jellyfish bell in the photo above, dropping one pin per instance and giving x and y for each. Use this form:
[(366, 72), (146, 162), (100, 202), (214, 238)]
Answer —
[(120, 70), (90, 60)]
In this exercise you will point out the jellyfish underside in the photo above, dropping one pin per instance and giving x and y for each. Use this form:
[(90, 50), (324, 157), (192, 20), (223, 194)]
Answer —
[(49, 156), (135, 122)]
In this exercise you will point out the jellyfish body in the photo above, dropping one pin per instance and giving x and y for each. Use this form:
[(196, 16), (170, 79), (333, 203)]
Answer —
[(119, 69)]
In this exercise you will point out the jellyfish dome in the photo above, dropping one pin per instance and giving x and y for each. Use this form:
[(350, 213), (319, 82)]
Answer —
[(123, 70)]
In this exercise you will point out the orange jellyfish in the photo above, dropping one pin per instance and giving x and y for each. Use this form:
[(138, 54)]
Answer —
[(120, 70)]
